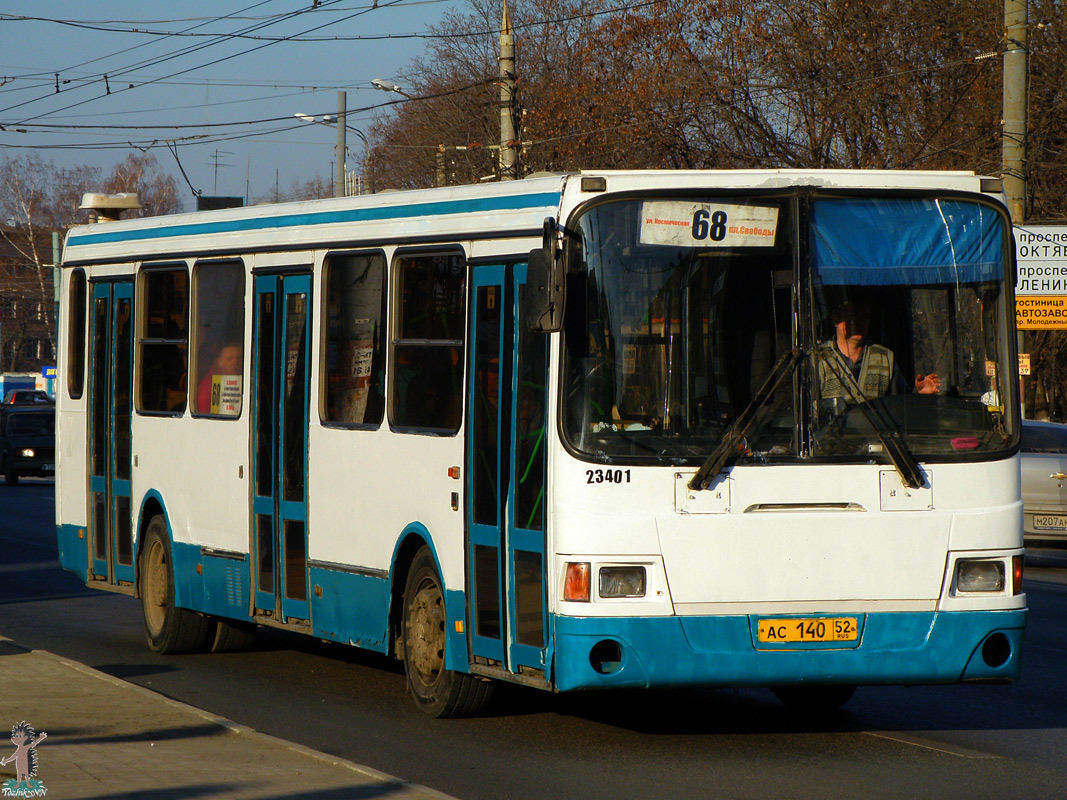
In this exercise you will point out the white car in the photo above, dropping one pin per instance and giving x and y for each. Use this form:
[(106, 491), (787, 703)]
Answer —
[(1044, 474)]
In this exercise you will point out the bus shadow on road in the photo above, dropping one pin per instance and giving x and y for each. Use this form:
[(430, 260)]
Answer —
[(682, 712)]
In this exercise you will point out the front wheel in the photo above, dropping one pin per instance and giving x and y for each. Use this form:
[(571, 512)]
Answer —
[(11, 478), (438, 691), (167, 628)]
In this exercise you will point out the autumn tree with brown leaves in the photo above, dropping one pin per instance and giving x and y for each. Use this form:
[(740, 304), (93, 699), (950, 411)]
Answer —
[(726, 84), (723, 84)]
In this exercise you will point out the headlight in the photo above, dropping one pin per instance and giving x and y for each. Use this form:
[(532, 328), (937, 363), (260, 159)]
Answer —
[(26, 452), (622, 581), (979, 576)]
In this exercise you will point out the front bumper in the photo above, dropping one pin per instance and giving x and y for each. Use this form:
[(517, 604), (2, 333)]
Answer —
[(893, 648)]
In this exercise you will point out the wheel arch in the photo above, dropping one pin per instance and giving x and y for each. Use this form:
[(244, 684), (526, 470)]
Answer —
[(411, 540), (414, 537), (152, 505)]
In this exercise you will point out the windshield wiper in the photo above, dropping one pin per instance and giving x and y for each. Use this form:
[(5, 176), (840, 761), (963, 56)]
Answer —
[(902, 459), (753, 418)]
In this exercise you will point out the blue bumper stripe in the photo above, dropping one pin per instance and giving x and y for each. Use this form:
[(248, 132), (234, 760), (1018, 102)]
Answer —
[(935, 647)]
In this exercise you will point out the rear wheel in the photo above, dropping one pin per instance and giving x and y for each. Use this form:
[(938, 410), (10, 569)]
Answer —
[(232, 636), (167, 628), (815, 698), (438, 691)]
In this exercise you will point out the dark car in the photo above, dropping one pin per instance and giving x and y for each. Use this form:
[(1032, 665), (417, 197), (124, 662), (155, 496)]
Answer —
[(27, 442), (28, 397)]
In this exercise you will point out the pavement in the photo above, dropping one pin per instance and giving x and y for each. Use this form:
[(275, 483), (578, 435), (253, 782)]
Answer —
[(107, 738)]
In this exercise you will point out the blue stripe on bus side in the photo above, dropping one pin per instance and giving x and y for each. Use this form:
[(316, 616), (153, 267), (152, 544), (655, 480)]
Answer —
[(377, 214), (896, 648), (352, 608), (73, 543)]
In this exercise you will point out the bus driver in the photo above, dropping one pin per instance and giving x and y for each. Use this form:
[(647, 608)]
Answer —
[(872, 366)]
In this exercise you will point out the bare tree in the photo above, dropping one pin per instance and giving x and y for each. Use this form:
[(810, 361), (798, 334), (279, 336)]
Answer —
[(141, 173), (38, 199)]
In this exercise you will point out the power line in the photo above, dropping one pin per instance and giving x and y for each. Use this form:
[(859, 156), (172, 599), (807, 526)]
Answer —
[(177, 54), (127, 50)]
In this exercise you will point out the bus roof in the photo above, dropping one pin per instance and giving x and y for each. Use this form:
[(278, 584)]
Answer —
[(498, 210)]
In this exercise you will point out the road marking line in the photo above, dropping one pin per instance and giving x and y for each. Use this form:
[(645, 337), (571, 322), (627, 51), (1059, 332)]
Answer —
[(929, 744)]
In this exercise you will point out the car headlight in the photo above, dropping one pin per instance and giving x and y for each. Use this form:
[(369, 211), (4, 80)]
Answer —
[(26, 452), (622, 581), (977, 575)]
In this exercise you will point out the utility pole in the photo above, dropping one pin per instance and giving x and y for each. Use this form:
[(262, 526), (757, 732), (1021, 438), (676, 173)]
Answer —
[(339, 148), (1013, 136), (509, 154), (1013, 139), (441, 179)]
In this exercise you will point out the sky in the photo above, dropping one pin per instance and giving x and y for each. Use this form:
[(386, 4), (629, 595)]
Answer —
[(211, 84)]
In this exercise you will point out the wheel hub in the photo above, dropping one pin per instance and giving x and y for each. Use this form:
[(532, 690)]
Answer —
[(426, 632), (157, 585)]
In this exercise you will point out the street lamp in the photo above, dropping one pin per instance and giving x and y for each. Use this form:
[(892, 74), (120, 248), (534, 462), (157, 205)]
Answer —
[(387, 86), (340, 149)]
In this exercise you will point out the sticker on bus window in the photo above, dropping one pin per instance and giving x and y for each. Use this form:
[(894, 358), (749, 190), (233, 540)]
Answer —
[(226, 395), (679, 223)]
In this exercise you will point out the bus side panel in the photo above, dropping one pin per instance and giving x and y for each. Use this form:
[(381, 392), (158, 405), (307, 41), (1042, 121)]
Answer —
[(215, 584), (351, 608), (369, 492), (73, 549)]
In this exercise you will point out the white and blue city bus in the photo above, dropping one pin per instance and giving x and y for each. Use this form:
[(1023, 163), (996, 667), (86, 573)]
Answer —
[(582, 431)]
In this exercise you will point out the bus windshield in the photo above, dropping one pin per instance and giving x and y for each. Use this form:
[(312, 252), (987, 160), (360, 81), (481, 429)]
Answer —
[(679, 309)]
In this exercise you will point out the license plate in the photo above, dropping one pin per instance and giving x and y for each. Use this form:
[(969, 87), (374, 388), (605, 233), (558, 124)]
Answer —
[(48, 467), (1049, 522), (822, 629)]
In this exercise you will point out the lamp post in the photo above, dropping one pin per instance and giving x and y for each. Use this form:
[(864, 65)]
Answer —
[(508, 155), (340, 149)]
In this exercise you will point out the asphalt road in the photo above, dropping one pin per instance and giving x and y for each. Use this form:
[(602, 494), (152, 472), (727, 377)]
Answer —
[(972, 741)]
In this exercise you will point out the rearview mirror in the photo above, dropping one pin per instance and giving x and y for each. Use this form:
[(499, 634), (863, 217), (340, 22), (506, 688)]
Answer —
[(543, 301)]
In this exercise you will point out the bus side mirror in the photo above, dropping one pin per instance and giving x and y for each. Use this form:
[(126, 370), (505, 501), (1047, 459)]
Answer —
[(543, 301)]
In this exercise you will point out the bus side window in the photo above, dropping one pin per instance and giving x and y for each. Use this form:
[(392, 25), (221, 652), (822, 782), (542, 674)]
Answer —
[(355, 347), (219, 288), (76, 334), (427, 367), (164, 341)]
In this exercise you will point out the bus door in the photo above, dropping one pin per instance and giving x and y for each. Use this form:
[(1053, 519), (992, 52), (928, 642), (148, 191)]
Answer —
[(280, 380), (110, 406), (505, 475)]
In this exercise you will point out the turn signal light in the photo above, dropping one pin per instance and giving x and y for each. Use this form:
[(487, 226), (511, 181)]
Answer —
[(576, 582), (1017, 574)]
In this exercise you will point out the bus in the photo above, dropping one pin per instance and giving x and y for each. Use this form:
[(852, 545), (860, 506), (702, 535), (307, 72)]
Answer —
[(585, 431)]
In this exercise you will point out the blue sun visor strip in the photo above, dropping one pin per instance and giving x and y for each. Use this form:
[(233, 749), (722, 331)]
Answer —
[(905, 241), (349, 215)]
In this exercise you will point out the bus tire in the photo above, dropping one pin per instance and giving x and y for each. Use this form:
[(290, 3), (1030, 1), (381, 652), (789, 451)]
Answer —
[(232, 636), (11, 478), (437, 691), (816, 698), (167, 628)]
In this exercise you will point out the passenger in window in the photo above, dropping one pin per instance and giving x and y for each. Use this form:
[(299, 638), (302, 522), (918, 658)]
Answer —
[(228, 363), (873, 368)]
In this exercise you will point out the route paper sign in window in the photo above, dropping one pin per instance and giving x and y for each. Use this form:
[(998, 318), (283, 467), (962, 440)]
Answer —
[(688, 224)]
